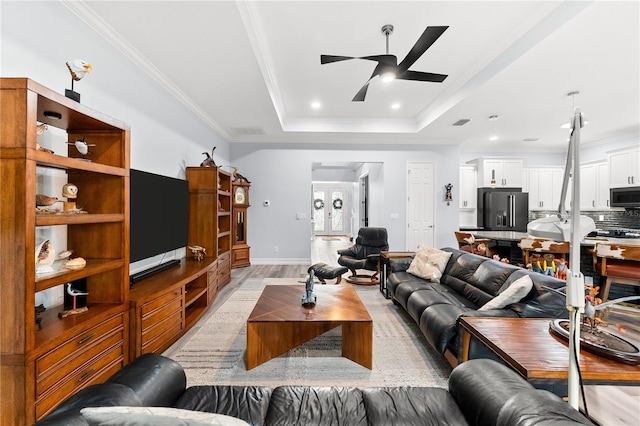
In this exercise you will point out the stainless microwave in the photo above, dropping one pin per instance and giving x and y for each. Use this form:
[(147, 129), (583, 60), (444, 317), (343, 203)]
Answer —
[(625, 197)]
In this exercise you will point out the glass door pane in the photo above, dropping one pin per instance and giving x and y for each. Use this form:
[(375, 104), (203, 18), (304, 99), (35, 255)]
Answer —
[(319, 212), (337, 212)]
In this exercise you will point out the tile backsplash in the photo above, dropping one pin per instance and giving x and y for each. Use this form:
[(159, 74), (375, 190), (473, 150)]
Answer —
[(611, 219)]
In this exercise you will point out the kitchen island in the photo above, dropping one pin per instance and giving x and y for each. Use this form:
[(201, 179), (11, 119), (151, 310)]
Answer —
[(507, 245)]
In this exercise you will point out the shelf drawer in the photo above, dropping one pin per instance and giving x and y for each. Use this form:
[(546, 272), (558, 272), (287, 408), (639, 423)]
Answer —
[(62, 355), (212, 284), (44, 382), (96, 371), (161, 334), (173, 308), (160, 302)]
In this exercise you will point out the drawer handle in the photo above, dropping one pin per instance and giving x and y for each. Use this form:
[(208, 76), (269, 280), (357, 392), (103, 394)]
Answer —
[(86, 375), (86, 339)]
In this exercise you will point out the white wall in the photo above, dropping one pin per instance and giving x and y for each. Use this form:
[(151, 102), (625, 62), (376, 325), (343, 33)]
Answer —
[(282, 175)]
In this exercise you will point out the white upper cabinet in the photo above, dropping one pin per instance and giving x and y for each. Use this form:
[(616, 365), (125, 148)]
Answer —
[(544, 185), (499, 172), (624, 168), (468, 186), (594, 186)]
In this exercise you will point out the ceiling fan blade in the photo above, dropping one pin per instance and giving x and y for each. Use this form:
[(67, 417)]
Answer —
[(383, 59), (422, 76), (428, 37), (362, 93), (359, 97), (327, 59)]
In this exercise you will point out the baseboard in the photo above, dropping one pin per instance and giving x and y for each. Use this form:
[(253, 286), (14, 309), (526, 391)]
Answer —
[(280, 261)]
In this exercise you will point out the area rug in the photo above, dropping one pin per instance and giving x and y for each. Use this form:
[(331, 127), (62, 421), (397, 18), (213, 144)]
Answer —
[(401, 355)]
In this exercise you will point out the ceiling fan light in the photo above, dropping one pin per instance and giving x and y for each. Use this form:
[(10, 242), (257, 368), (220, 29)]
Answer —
[(388, 76)]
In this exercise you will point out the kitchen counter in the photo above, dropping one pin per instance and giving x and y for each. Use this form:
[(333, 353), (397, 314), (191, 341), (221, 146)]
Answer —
[(516, 236)]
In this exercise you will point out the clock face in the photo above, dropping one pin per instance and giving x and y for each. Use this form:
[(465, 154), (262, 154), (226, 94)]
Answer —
[(240, 195)]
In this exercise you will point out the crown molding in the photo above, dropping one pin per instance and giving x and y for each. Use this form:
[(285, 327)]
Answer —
[(82, 10)]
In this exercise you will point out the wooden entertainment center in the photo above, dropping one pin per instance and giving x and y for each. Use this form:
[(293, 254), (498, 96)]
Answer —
[(164, 306), (40, 365)]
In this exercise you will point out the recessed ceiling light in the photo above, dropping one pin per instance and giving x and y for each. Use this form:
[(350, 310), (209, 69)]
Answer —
[(493, 138), (395, 106), (316, 105)]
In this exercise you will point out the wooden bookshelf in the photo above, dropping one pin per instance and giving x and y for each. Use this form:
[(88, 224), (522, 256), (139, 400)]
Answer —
[(39, 367)]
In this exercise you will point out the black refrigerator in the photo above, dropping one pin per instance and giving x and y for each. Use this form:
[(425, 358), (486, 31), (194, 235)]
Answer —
[(503, 209)]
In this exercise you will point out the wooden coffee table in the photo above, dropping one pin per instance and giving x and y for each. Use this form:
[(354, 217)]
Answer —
[(526, 345), (279, 322)]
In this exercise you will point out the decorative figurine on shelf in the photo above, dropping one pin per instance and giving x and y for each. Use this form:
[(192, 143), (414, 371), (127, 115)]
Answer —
[(448, 197), (45, 200), (75, 308), (208, 162), (78, 69), (70, 191), (40, 129), (82, 146), (309, 297), (237, 177), (45, 256), (75, 263), (198, 252), (39, 311)]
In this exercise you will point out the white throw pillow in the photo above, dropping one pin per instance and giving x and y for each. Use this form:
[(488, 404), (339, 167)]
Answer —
[(436, 256), (429, 263), (514, 293), (421, 268), (156, 416)]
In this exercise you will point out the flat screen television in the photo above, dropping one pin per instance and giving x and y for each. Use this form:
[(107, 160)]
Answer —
[(159, 218)]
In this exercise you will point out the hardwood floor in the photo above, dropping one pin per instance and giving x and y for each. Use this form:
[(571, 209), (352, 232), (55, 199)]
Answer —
[(608, 405)]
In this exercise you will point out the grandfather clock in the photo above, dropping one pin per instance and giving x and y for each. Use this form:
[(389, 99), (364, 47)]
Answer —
[(240, 251)]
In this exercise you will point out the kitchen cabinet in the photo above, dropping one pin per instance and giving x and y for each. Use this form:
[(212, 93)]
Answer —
[(624, 168), (499, 172), (544, 185), (594, 186), (467, 197), (468, 185)]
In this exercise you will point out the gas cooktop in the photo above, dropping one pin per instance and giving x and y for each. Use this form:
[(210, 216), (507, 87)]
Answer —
[(616, 233)]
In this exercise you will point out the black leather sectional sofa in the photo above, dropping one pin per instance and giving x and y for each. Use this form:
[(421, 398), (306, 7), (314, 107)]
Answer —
[(468, 282), (480, 392)]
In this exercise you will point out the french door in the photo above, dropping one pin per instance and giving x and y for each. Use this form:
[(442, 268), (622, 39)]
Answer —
[(329, 207)]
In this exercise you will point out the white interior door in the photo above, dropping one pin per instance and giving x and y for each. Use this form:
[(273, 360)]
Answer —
[(420, 204), (329, 207)]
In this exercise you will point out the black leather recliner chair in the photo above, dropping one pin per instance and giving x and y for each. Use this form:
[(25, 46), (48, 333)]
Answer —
[(365, 254)]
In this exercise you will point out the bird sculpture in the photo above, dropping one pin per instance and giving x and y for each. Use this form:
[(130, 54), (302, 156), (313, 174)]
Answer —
[(208, 162), (82, 146), (74, 293), (78, 69), (45, 200), (238, 177), (309, 297)]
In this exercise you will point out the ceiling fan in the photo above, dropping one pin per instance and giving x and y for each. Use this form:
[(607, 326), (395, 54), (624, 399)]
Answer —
[(388, 67)]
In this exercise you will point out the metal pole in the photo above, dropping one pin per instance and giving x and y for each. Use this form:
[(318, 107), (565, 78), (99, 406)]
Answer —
[(575, 283)]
